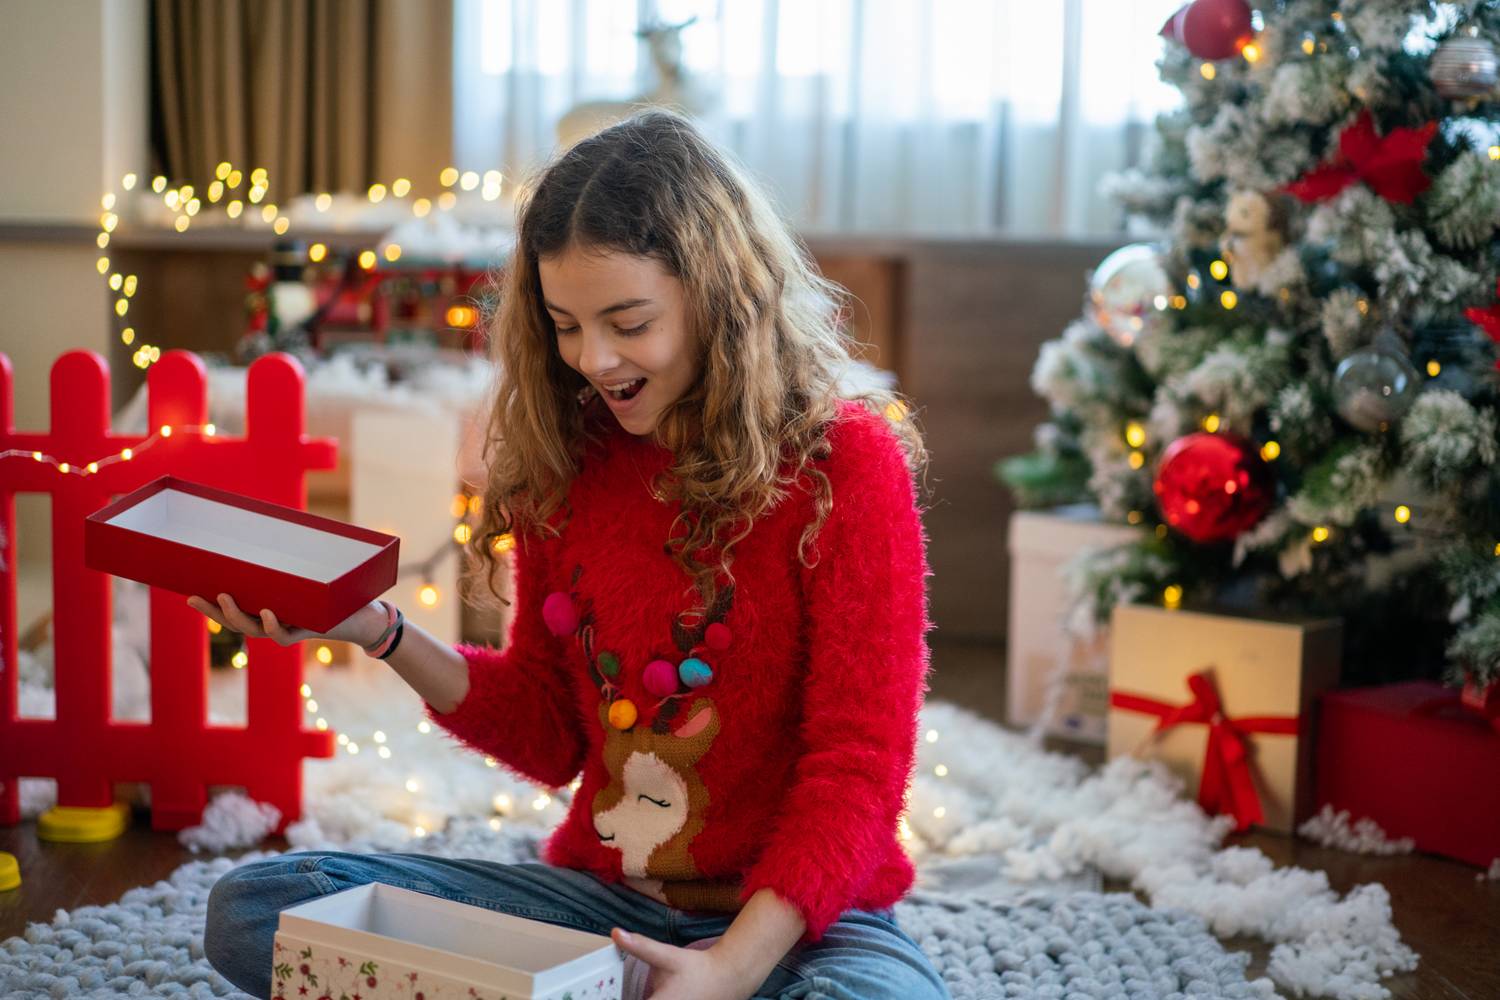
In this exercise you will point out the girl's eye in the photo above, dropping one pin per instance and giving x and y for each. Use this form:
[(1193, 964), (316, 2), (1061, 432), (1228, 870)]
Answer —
[(633, 331)]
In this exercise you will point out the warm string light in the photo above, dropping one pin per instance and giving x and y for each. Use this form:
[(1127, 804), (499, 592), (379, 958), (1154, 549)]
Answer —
[(124, 455), (1171, 597), (182, 201)]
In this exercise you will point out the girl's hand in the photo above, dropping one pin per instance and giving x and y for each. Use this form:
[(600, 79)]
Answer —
[(685, 973), (363, 627)]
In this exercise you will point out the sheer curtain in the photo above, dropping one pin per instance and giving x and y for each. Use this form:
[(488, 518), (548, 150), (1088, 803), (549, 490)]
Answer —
[(917, 117)]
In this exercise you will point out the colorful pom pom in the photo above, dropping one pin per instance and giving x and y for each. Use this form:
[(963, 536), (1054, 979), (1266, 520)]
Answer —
[(717, 636), (660, 678), (609, 664), (695, 673), (559, 614), (622, 714)]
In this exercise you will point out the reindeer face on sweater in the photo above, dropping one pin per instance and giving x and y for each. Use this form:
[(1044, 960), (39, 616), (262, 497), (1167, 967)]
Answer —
[(654, 803)]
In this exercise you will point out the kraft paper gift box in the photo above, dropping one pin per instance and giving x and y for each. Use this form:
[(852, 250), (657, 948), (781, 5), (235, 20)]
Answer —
[(1037, 647), (1227, 702), (312, 572), (382, 942)]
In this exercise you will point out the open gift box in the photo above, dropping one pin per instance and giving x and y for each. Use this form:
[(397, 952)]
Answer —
[(312, 572), (379, 941)]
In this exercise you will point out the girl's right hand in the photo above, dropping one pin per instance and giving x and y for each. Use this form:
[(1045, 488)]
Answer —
[(361, 628)]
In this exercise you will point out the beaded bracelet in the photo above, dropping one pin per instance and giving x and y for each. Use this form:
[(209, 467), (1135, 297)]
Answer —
[(387, 648)]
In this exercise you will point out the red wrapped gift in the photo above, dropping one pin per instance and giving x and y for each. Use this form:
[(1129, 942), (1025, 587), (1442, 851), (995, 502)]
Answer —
[(1418, 761), (312, 572)]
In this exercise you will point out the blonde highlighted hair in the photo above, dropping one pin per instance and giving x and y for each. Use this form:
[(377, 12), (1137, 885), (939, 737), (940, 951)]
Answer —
[(769, 329)]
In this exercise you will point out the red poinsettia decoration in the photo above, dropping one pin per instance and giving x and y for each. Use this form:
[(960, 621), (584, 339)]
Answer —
[(1487, 319), (1391, 165)]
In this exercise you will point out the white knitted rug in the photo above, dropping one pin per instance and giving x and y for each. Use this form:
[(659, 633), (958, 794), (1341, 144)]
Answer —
[(1080, 944), (1010, 843)]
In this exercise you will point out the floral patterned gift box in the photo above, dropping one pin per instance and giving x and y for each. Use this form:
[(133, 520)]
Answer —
[(381, 942)]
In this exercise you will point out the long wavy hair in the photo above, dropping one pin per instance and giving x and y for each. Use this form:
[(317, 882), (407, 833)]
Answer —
[(769, 330)]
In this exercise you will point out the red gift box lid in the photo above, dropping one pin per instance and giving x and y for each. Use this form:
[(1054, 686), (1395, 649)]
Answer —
[(313, 572)]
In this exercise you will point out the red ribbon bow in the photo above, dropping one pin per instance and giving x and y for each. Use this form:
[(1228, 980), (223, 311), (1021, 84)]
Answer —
[(1390, 165), (1487, 319), (1226, 785)]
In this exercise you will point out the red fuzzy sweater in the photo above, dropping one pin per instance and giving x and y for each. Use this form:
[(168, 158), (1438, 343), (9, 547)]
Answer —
[(768, 742)]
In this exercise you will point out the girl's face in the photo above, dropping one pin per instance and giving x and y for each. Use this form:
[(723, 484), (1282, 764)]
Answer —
[(621, 319)]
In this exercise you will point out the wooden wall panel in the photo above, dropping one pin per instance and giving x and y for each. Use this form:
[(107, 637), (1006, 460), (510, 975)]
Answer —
[(972, 316)]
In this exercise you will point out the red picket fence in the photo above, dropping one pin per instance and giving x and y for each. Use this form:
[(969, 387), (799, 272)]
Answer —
[(178, 753)]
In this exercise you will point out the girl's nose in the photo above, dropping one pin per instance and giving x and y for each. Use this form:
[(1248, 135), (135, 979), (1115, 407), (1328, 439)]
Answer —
[(597, 356)]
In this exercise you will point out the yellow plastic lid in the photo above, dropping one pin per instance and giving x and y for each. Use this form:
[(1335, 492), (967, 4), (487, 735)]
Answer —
[(83, 824), (10, 872)]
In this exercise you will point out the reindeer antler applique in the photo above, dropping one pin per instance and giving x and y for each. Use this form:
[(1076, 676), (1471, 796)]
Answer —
[(565, 614)]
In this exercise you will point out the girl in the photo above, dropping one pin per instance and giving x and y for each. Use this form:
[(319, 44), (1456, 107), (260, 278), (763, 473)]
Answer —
[(668, 407)]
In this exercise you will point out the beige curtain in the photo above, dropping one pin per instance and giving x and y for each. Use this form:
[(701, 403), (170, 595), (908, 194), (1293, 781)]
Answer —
[(327, 95)]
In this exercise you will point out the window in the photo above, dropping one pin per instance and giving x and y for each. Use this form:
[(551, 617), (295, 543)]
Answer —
[(962, 117)]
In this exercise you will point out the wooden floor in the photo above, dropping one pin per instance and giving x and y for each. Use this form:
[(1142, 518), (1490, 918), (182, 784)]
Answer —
[(1442, 910)]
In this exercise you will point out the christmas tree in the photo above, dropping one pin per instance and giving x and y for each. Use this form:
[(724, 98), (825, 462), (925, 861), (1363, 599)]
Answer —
[(1294, 392)]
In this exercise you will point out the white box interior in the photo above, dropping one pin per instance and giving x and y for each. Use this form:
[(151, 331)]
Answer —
[(245, 535), (501, 944)]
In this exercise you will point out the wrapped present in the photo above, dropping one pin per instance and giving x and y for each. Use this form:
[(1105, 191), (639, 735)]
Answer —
[(1420, 760), (380, 942), (1225, 700), (312, 572), (1041, 655)]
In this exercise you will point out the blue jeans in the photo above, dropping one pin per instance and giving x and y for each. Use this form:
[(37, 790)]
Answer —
[(864, 956)]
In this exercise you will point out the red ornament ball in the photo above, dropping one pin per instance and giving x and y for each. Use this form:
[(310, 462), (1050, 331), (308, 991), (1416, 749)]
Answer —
[(1211, 29), (1212, 487)]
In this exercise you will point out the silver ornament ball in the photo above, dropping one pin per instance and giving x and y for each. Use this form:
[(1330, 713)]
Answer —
[(1374, 387), (1130, 291), (1464, 67)]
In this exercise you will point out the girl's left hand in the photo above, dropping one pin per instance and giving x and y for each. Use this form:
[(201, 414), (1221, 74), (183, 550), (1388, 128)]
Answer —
[(685, 973)]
